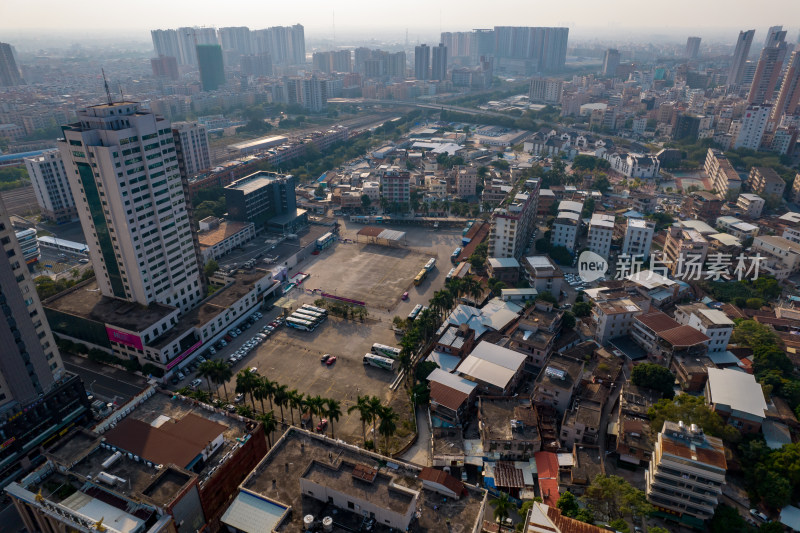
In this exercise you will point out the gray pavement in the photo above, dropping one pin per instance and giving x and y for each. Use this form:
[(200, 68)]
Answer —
[(107, 383), (420, 452)]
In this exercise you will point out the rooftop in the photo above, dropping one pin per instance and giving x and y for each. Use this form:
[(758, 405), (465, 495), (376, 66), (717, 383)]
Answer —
[(658, 321), (739, 391), (85, 301), (226, 229), (506, 419), (302, 454), (613, 307), (256, 181), (684, 336), (689, 443)]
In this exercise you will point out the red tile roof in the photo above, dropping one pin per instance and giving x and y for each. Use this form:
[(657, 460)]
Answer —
[(547, 471), (433, 475), (447, 396), (658, 321), (570, 525), (506, 475), (684, 336)]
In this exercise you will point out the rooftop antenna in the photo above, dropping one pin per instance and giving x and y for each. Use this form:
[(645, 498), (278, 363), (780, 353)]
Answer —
[(121, 96), (105, 82)]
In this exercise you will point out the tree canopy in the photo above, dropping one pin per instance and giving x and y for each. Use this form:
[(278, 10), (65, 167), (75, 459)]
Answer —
[(611, 498), (691, 410), (653, 376)]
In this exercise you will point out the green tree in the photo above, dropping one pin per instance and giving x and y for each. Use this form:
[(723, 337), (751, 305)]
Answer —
[(207, 370), (333, 410), (247, 382), (691, 410), (315, 405), (547, 296), (653, 376), (270, 425), (568, 322), (726, 519), (620, 525), (365, 201), (602, 184), (502, 508), (582, 309), (365, 414), (611, 498), (388, 425), (568, 504), (222, 374)]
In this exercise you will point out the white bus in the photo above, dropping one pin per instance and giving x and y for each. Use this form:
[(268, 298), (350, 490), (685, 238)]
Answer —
[(386, 351), (380, 362), (302, 314), (413, 314), (315, 309), (304, 325)]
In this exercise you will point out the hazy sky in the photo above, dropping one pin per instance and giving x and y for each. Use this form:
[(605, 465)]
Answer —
[(667, 17)]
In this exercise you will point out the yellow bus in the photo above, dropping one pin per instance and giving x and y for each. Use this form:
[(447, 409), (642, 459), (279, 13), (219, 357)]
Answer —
[(420, 277)]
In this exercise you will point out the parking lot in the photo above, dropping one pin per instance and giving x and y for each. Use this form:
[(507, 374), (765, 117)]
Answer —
[(374, 274)]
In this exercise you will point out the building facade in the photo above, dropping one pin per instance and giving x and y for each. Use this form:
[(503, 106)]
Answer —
[(191, 147), (638, 237), (50, 183)]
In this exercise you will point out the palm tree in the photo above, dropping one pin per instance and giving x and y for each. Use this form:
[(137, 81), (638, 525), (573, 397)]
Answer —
[(207, 370), (281, 395), (333, 410), (472, 287), (260, 392), (388, 426), (222, 374), (364, 413), (295, 402), (376, 408), (315, 405), (502, 506), (247, 382), (270, 425)]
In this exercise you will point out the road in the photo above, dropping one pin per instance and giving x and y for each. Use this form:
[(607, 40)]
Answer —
[(420, 452), (107, 383)]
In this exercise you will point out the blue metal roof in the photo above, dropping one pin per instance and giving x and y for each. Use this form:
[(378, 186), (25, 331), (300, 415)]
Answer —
[(20, 155)]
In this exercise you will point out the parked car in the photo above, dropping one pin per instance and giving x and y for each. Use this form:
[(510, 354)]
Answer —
[(201, 359), (239, 398), (331, 360), (405, 296), (323, 424), (231, 408), (212, 351), (324, 358), (758, 514), (254, 369), (180, 375), (196, 383)]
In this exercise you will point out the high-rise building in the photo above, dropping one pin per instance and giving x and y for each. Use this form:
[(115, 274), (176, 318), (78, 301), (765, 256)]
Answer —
[(439, 63), (396, 65), (165, 67), (692, 47), (236, 38), (285, 44), (124, 173), (257, 65), (545, 48), (422, 62), (768, 70), (212, 70), (775, 34), (513, 225), (51, 186), (610, 63), (333, 61), (165, 43), (547, 90), (191, 146), (740, 54), (638, 237), (261, 197), (9, 73), (459, 46), (788, 97), (687, 471), (754, 123)]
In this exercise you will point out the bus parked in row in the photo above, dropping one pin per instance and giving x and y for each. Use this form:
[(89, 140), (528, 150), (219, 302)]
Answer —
[(315, 309), (386, 351), (414, 312), (380, 362), (302, 325)]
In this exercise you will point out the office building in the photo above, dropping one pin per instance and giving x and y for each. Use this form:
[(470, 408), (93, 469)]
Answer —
[(513, 225), (754, 123), (212, 71), (638, 237), (125, 177), (768, 71), (51, 186), (601, 231), (267, 199), (236, 38), (788, 97), (165, 67), (743, 43), (439, 63), (9, 72), (422, 62), (692, 47), (686, 473), (257, 65), (610, 63), (31, 371), (546, 90), (191, 147)]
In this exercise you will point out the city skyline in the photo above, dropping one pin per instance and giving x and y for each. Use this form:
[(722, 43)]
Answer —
[(348, 17)]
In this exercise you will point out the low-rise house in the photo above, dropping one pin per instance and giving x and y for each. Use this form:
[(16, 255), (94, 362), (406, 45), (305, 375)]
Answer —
[(691, 371), (712, 322), (495, 369), (634, 440), (509, 430), (451, 397), (456, 340), (543, 275), (505, 269), (736, 227), (581, 424), (557, 382), (751, 205), (737, 397), (613, 318)]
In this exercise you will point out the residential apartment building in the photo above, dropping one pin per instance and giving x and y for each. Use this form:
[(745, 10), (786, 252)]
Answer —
[(422, 62), (543, 275), (557, 382), (9, 72), (796, 188), (51, 186), (686, 473), (783, 255), (638, 237), (601, 232), (723, 176), (513, 225), (754, 123), (546, 90), (765, 182), (751, 204), (396, 186), (712, 322), (684, 249), (566, 225), (509, 430), (191, 147), (736, 227), (125, 177), (702, 205), (613, 318)]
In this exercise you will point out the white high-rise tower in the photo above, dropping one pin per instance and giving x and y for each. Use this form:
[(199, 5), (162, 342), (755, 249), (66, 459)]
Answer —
[(124, 175)]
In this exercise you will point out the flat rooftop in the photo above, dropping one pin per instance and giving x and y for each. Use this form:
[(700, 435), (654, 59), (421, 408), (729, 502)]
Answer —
[(496, 416), (86, 301), (256, 181), (299, 452), (225, 230)]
